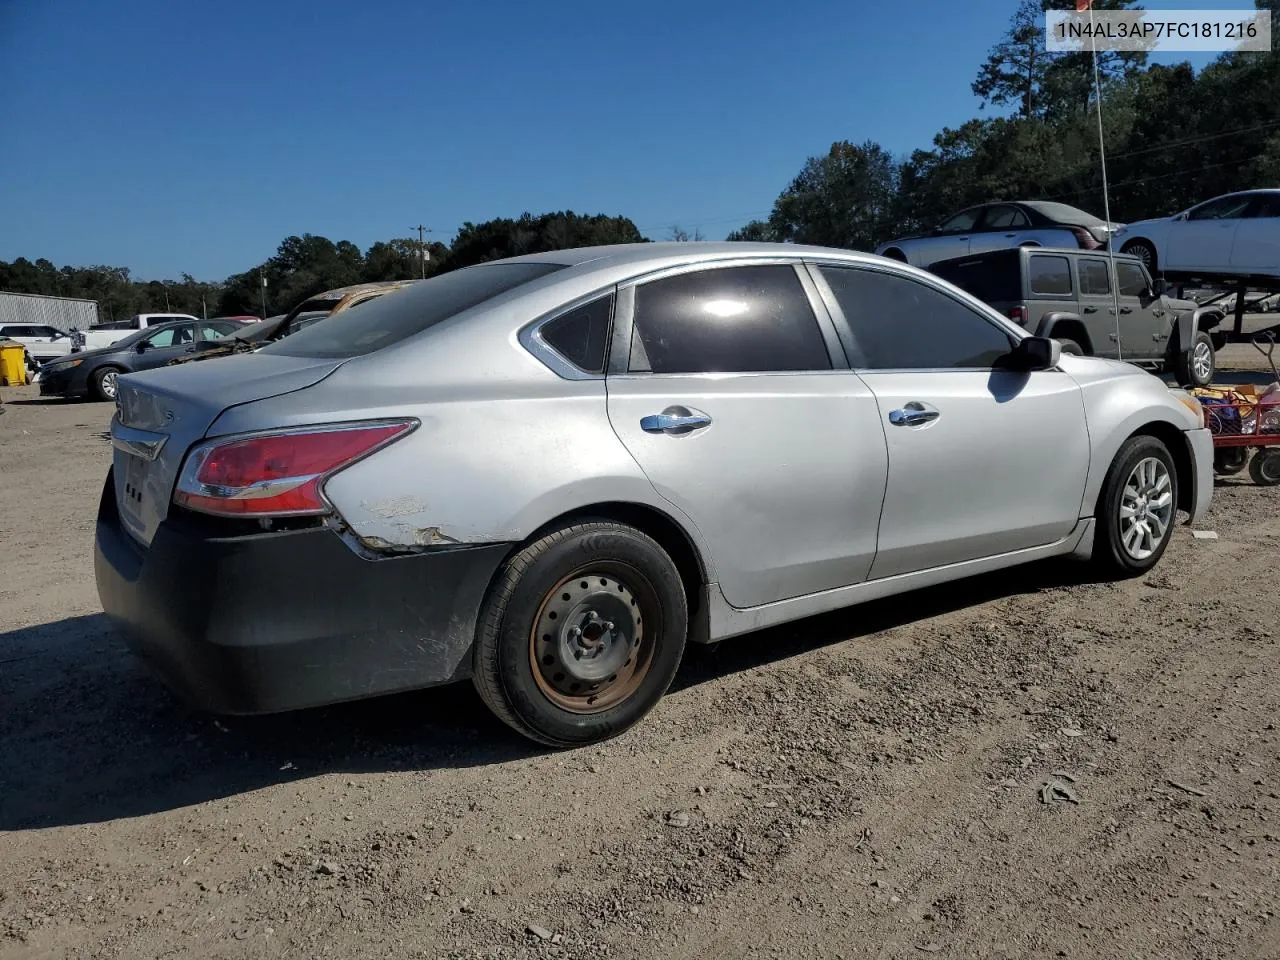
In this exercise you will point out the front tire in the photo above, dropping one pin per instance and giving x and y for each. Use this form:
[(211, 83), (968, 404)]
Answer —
[(1198, 366), (104, 383), (581, 634), (1136, 508)]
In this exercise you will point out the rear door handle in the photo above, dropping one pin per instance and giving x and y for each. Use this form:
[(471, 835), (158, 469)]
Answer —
[(674, 420), (1126, 309), (1090, 310), (1010, 235), (913, 414)]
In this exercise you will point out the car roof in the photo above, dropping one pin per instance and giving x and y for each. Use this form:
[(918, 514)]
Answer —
[(686, 251), (1028, 251)]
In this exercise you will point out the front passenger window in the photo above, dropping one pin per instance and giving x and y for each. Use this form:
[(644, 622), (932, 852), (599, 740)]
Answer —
[(901, 324)]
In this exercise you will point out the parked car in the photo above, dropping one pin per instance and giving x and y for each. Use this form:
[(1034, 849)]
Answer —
[(997, 226), (1236, 235), (1067, 295), (96, 373), (104, 334), (307, 312), (43, 342), (545, 473)]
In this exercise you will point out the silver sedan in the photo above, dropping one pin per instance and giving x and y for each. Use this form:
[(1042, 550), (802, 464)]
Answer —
[(548, 474)]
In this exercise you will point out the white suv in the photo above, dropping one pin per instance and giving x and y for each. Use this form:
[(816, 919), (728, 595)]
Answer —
[(43, 342)]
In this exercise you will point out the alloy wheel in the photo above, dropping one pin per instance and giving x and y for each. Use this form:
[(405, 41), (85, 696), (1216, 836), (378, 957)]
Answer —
[(1202, 361), (1146, 508)]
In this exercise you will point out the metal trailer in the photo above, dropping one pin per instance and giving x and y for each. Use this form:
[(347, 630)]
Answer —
[(61, 312)]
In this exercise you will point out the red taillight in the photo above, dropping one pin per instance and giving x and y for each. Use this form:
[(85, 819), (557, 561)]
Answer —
[(1086, 239), (276, 474), (1018, 315)]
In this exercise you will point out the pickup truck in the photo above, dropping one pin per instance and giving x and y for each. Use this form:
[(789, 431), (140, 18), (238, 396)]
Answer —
[(104, 334)]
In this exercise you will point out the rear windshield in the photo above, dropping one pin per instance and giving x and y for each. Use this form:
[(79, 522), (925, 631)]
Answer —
[(1061, 213), (393, 317), (990, 279)]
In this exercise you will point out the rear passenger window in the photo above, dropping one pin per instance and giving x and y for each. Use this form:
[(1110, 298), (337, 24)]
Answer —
[(1131, 280), (581, 336), (1050, 275), (1094, 280), (901, 324), (728, 320)]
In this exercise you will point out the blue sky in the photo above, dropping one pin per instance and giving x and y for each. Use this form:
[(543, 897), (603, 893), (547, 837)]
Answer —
[(193, 136)]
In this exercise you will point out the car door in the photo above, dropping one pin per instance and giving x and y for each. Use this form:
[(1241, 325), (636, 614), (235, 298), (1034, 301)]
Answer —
[(1097, 306), (1256, 247), (982, 461), (1145, 324), (728, 387), (164, 345), (1204, 240), (950, 239), (1002, 225)]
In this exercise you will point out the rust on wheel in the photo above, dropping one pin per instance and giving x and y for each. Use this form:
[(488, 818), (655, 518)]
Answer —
[(588, 647)]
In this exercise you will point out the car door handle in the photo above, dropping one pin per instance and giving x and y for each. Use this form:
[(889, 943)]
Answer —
[(674, 419), (1090, 310), (913, 414), (1112, 336), (1126, 309), (1010, 235)]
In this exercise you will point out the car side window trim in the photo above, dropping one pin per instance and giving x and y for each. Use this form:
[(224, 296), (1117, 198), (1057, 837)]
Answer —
[(847, 336), (619, 360), (531, 338)]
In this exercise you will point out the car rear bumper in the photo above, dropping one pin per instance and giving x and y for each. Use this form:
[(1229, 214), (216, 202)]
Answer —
[(1201, 443), (267, 622)]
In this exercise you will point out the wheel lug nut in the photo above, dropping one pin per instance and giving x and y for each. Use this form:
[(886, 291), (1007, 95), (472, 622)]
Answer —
[(575, 632), (608, 625)]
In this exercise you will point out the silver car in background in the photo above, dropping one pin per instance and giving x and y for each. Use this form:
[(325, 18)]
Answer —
[(998, 226), (548, 473)]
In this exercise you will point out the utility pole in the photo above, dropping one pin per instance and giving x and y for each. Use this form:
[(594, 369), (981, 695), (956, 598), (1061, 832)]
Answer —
[(264, 294), (422, 248)]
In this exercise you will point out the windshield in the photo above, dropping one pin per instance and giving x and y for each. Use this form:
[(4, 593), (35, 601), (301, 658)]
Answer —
[(390, 319), (131, 339), (1061, 213)]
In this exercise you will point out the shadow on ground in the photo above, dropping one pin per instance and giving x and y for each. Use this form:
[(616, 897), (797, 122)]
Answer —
[(86, 735)]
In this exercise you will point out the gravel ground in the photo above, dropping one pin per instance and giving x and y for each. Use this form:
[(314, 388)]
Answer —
[(863, 784)]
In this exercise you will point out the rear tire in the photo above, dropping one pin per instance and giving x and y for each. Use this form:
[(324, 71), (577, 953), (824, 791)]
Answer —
[(1145, 251), (1069, 346), (1136, 509), (581, 634), (1264, 468)]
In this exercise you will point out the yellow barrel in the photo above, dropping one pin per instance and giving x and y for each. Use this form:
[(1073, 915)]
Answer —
[(13, 363)]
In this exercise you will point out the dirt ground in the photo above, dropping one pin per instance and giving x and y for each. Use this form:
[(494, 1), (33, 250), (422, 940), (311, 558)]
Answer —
[(863, 784)]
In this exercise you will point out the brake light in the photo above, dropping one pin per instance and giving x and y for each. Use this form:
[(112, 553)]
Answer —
[(277, 474), (1086, 239), (1018, 315)]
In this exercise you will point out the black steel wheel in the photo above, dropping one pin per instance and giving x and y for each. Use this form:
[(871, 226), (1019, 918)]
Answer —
[(581, 634), (1229, 461)]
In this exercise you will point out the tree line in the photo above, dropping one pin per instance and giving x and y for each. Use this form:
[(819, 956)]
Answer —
[(1174, 137)]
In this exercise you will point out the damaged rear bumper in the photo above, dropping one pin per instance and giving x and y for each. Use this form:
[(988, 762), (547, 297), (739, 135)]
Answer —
[(267, 622)]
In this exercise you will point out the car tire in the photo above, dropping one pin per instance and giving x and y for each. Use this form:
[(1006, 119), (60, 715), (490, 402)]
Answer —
[(1264, 468), (1070, 346), (1198, 366), (1130, 539), (559, 619), (1145, 251), (102, 383)]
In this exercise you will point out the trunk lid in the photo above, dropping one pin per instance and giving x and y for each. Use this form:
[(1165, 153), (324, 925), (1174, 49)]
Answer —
[(161, 413)]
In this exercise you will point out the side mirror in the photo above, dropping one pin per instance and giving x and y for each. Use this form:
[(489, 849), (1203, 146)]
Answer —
[(142, 347), (1159, 287), (1035, 353)]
